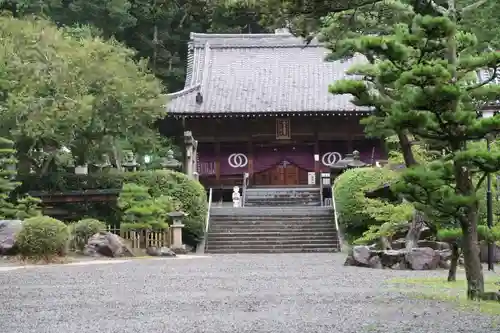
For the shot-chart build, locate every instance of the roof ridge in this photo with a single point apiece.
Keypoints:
(206, 69)
(225, 41)
(194, 35)
(185, 91)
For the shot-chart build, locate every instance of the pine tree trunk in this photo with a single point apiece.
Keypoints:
(405, 144)
(473, 267)
(455, 255)
(470, 245)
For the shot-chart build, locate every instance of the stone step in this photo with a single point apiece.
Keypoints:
(306, 248)
(277, 189)
(264, 245)
(271, 211)
(274, 242)
(250, 220)
(274, 224)
(283, 196)
(271, 235)
(272, 230)
(244, 217)
(287, 203)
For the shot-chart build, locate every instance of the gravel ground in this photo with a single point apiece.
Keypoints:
(226, 293)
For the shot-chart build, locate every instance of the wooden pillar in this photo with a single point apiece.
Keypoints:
(350, 145)
(250, 157)
(316, 146)
(217, 162)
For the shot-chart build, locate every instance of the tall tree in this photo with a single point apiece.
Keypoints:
(430, 69)
(67, 89)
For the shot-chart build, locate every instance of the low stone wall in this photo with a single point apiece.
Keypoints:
(429, 255)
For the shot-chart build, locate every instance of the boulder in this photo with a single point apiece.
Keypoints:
(179, 250)
(160, 252)
(349, 261)
(445, 264)
(390, 258)
(8, 232)
(445, 255)
(423, 258)
(107, 244)
(400, 266)
(375, 262)
(398, 244)
(361, 254)
(434, 245)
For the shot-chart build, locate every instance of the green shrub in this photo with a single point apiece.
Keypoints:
(188, 193)
(84, 229)
(43, 237)
(141, 211)
(483, 232)
(354, 210)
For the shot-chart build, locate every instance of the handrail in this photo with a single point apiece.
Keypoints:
(202, 246)
(246, 181)
(336, 217)
(207, 220)
(321, 189)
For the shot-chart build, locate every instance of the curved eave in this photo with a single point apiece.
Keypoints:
(343, 113)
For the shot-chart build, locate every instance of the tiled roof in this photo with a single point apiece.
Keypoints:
(254, 73)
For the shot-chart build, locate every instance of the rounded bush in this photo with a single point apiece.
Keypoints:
(187, 193)
(350, 200)
(42, 237)
(84, 229)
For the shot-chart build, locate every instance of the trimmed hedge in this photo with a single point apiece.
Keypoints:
(189, 193)
(84, 229)
(43, 237)
(350, 200)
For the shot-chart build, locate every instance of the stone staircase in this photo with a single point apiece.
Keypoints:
(274, 221)
(284, 197)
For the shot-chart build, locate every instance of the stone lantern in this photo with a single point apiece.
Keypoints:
(356, 161)
(130, 163)
(104, 163)
(350, 161)
(170, 162)
(342, 165)
(177, 226)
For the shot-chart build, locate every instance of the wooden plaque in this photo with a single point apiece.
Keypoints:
(283, 131)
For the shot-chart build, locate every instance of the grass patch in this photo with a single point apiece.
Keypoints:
(452, 292)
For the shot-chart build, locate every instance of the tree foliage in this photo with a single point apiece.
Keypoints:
(424, 78)
(356, 211)
(63, 89)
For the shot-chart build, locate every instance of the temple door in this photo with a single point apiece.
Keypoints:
(277, 176)
(287, 174)
(291, 175)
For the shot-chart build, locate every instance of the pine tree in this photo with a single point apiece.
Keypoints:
(425, 78)
(7, 175)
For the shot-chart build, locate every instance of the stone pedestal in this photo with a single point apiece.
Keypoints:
(81, 169)
(177, 246)
(191, 146)
(177, 236)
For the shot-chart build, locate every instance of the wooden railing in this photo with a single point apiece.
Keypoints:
(336, 218)
(137, 239)
(246, 182)
(202, 246)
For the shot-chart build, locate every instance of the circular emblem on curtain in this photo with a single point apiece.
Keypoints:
(237, 160)
(330, 158)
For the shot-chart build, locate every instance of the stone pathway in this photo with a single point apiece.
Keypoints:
(282, 293)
